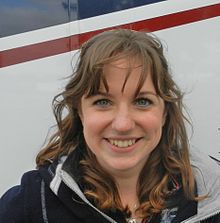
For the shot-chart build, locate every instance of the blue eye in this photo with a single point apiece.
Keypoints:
(102, 102)
(142, 102)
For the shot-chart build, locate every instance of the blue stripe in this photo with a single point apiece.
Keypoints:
(99, 7)
(23, 15)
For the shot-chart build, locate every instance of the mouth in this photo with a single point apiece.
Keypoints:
(122, 143)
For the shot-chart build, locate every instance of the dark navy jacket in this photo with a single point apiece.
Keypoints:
(51, 195)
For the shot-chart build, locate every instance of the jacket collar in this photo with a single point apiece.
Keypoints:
(64, 184)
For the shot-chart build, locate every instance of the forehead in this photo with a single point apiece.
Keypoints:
(126, 74)
(126, 63)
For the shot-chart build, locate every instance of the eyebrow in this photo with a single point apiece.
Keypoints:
(99, 93)
(142, 93)
(106, 94)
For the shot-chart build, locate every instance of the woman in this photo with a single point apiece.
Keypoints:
(120, 153)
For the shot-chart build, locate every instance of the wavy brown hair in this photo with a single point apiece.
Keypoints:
(169, 158)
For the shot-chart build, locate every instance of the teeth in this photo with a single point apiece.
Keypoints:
(122, 143)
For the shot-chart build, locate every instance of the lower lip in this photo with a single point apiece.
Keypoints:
(122, 149)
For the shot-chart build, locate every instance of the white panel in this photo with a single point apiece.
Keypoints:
(194, 51)
(27, 91)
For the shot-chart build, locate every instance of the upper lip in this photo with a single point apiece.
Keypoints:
(122, 138)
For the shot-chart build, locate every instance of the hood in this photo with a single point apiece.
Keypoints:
(207, 175)
(62, 182)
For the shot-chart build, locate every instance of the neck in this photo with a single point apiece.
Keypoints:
(128, 195)
(127, 188)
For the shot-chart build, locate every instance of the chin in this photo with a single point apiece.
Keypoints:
(122, 166)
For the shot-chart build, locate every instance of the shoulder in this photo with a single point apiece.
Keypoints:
(16, 202)
(207, 176)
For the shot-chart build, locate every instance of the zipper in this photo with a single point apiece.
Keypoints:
(73, 186)
(193, 218)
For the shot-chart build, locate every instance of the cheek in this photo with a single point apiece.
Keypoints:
(93, 126)
(153, 120)
(92, 131)
(89, 131)
(88, 124)
(152, 123)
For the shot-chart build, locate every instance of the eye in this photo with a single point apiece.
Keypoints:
(143, 102)
(102, 102)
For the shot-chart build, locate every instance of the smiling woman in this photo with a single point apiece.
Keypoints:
(120, 127)
(120, 153)
(130, 126)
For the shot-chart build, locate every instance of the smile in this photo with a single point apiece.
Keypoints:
(122, 143)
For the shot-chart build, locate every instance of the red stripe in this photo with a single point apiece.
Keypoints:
(63, 45)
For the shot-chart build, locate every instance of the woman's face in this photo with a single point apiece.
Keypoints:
(122, 129)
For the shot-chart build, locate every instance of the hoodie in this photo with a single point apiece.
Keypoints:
(53, 194)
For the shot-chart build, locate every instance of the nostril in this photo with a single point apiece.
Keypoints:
(123, 123)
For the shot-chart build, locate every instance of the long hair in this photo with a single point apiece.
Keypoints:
(169, 158)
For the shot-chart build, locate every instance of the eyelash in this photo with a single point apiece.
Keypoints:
(147, 101)
(105, 102)
(99, 101)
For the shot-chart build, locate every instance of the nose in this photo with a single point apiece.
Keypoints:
(123, 120)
